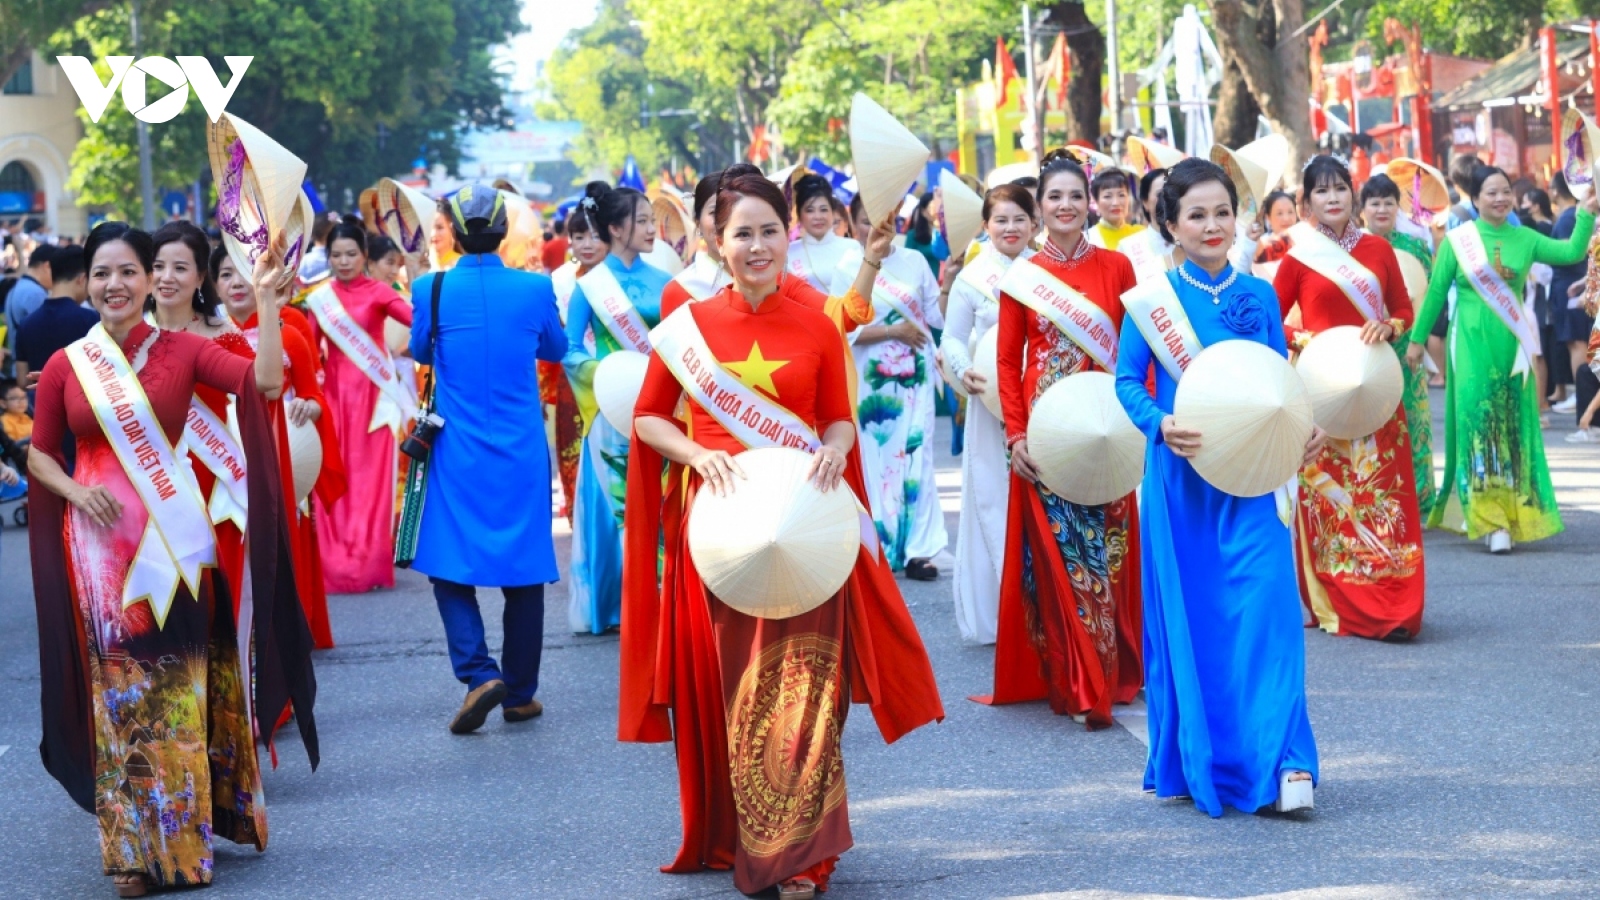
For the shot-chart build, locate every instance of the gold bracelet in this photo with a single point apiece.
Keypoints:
(876, 264)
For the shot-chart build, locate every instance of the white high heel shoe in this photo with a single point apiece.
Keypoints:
(1500, 542)
(1293, 795)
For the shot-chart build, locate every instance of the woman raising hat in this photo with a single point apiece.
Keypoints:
(718, 681)
(1358, 538)
(151, 696)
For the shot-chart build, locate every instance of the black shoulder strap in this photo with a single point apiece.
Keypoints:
(433, 336)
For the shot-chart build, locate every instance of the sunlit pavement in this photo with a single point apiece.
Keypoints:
(1463, 764)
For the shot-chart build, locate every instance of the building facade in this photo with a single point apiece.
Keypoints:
(38, 130)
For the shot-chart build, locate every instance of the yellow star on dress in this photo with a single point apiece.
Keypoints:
(756, 370)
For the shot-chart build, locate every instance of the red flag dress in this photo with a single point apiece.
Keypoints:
(717, 681)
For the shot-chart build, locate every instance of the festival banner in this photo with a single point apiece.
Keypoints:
(177, 539)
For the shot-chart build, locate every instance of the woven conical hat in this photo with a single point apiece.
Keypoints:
(1270, 152)
(1582, 158)
(1093, 161)
(297, 233)
(524, 233)
(1416, 277)
(887, 157)
(1011, 172)
(674, 221)
(305, 458)
(663, 257)
(258, 186)
(986, 362)
(1252, 413)
(1146, 155)
(367, 204)
(960, 211)
(1354, 388)
(1250, 178)
(404, 215)
(783, 176)
(1420, 184)
(776, 546)
(1087, 449)
(617, 382)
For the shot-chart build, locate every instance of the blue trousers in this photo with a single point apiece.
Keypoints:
(469, 651)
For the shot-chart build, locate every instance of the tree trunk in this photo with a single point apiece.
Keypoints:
(1278, 77)
(15, 55)
(1088, 48)
(1235, 123)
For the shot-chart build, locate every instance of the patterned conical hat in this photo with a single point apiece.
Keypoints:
(405, 215)
(258, 187)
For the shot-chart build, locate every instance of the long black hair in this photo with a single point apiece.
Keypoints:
(205, 299)
(1183, 178)
(921, 222)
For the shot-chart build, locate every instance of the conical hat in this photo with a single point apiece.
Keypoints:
(524, 233)
(776, 546)
(960, 212)
(1270, 152)
(1354, 388)
(1582, 143)
(1249, 180)
(297, 233)
(1011, 172)
(367, 203)
(1146, 155)
(783, 176)
(1416, 277)
(674, 221)
(404, 215)
(986, 362)
(258, 185)
(1253, 415)
(663, 257)
(396, 337)
(1093, 161)
(617, 382)
(950, 378)
(1087, 449)
(1420, 185)
(305, 458)
(887, 157)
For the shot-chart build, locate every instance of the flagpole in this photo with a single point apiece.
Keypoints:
(1113, 88)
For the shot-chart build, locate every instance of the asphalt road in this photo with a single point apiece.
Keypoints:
(1460, 765)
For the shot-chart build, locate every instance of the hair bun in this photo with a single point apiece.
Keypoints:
(596, 189)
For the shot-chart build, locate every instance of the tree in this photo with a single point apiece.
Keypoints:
(356, 88)
(25, 24)
(1254, 39)
(1087, 44)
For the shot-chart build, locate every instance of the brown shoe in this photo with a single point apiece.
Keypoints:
(532, 710)
(480, 700)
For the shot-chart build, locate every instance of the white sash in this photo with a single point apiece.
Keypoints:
(695, 280)
(984, 273)
(1154, 308)
(395, 406)
(1094, 237)
(1479, 268)
(901, 298)
(563, 280)
(1317, 252)
(177, 538)
(214, 444)
(615, 310)
(1078, 317)
(1144, 249)
(753, 419)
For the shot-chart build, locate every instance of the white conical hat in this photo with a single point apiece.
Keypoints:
(783, 176)
(405, 215)
(1416, 277)
(258, 186)
(663, 257)
(1581, 161)
(960, 212)
(1270, 152)
(1093, 161)
(1421, 185)
(305, 458)
(776, 546)
(887, 157)
(1248, 175)
(297, 233)
(617, 382)
(1011, 172)
(1087, 449)
(396, 337)
(1146, 155)
(986, 362)
(1253, 415)
(1354, 388)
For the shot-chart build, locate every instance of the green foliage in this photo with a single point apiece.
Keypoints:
(740, 64)
(1479, 28)
(326, 75)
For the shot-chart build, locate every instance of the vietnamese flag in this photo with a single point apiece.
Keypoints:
(1004, 71)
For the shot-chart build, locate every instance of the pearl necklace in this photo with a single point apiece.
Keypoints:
(1214, 290)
